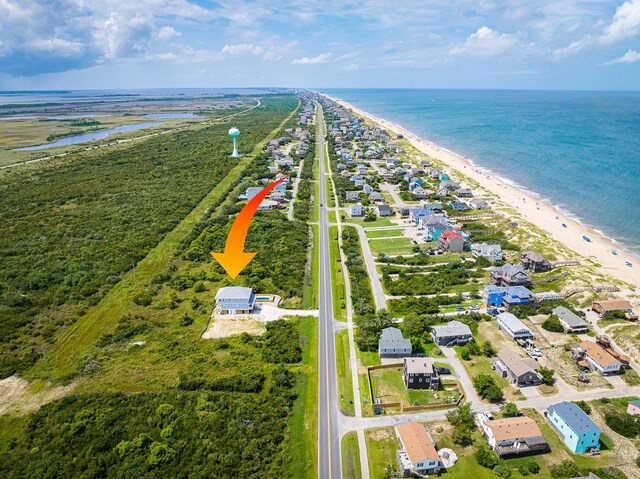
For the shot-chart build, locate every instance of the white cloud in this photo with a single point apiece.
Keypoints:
(485, 42)
(59, 46)
(573, 48)
(321, 58)
(625, 22)
(167, 33)
(239, 49)
(631, 56)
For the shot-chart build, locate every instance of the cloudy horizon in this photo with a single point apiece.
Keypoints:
(576, 44)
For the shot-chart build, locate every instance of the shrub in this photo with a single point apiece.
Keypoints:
(547, 375)
(533, 467)
(584, 406)
(509, 410)
(487, 388)
(502, 471)
(623, 424)
(486, 458)
(553, 324)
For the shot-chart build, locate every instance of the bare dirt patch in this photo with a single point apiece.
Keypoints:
(18, 396)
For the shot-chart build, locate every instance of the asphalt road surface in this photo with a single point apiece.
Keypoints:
(329, 463)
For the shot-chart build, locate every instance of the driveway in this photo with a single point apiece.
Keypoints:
(461, 375)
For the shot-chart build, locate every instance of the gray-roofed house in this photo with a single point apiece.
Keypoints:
(355, 211)
(513, 327)
(392, 344)
(452, 333)
(492, 252)
(419, 373)
(253, 191)
(352, 196)
(579, 432)
(235, 300)
(518, 370)
(510, 275)
(534, 261)
(384, 210)
(571, 322)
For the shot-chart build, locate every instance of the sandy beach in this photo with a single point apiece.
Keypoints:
(530, 207)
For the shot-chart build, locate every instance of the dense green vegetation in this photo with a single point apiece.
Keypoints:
(361, 294)
(409, 304)
(437, 282)
(71, 228)
(487, 388)
(302, 208)
(206, 430)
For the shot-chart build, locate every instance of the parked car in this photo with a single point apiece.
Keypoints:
(443, 370)
(461, 308)
(475, 307)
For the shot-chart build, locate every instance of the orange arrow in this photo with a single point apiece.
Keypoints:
(234, 259)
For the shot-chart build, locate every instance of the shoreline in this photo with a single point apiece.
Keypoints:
(528, 204)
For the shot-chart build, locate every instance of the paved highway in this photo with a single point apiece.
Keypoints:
(329, 462)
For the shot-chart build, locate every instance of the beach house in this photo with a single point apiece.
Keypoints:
(510, 275)
(451, 241)
(478, 204)
(596, 358)
(384, 210)
(513, 327)
(492, 252)
(355, 211)
(513, 436)
(506, 296)
(571, 322)
(451, 334)
(633, 407)
(417, 455)
(235, 300)
(576, 429)
(517, 370)
(603, 307)
(534, 261)
(419, 373)
(393, 344)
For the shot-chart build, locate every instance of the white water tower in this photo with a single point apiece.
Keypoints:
(234, 133)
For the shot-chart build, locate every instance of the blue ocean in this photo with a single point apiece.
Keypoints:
(580, 150)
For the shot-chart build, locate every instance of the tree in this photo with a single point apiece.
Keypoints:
(486, 458)
(462, 436)
(509, 410)
(547, 375)
(465, 354)
(584, 406)
(462, 415)
(487, 388)
(566, 468)
(502, 471)
(494, 393)
(553, 324)
(533, 467)
(488, 349)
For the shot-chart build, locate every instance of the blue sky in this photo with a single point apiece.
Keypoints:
(559, 44)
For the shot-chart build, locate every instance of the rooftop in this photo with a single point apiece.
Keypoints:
(598, 353)
(516, 363)
(419, 365)
(575, 417)
(417, 442)
(569, 317)
(452, 328)
(235, 293)
(511, 322)
(513, 428)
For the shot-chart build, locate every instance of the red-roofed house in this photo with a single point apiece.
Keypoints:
(418, 455)
(451, 241)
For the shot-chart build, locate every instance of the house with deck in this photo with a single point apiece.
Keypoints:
(505, 296)
(417, 455)
(576, 429)
(510, 275)
(517, 370)
(571, 322)
(513, 327)
(595, 357)
(420, 373)
(393, 344)
(451, 334)
(534, 261)
(492, 252)
(607, 306)
(514, 436)
(451, 241)
(235, 300)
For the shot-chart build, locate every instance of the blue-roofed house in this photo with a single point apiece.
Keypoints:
(506, 295)
(459, 205)
(235, 300)
(417, 213)
(577, 430)
(415, 183)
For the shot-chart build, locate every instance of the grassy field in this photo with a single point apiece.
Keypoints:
(337, 278)
(303, 422)
(381, 451)
(65, 354)
(371, 224)
(391, 246)
(345, 383)
(384, 233)
(351, 456)
(388, 385)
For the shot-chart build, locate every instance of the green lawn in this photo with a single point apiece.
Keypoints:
(337, 278)
(384, 233)
(351, 456)
(391, 246)
(371, 224)
(381, 451)
(303, 422)
(345, 383)
(65, 355)
(388, 385)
